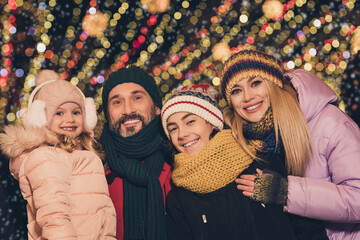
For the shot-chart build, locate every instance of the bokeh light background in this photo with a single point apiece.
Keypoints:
(179, 42)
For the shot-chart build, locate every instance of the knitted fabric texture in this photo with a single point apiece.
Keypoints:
(51, 92)
(270, 187)
(218, 164)
(246, 64)
(131, 75)
(200, 99)
(57, 93)
(139, 160)
(261, 135)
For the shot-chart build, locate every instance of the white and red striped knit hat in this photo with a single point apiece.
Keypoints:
(199, 99)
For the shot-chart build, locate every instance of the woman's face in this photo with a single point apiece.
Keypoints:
(189, 133)
(250, 98)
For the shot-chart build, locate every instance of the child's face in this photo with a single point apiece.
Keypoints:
(189, 133)
(250, 98)
(68, 120)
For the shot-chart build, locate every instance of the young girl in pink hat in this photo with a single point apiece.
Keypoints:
(59, 172)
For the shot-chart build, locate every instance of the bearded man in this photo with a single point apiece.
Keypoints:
(132, 137)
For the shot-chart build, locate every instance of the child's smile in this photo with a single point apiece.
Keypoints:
(189, 133)
(68, 119)
(191, 143)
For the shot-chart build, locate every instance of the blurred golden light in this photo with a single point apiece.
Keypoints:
(355, 43)
(156, 6)
(243, 18)
(216, 81)
(94, 24)
(221, 51)
(273, 9)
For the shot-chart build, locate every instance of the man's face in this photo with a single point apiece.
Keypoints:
(130, 109)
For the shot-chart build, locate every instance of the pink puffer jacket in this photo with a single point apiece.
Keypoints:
(67, 193)
(330, 190)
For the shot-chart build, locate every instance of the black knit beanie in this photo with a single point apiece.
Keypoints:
(135, 75)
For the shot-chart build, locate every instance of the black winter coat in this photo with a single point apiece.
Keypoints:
(228, 214)
(223, 214)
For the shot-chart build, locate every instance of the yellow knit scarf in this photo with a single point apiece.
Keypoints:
(218, 164)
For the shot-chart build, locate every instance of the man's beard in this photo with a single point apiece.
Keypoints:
(116, 127)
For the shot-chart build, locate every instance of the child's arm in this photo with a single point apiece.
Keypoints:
(49, 176)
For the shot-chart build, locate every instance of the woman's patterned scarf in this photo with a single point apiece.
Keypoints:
(261, 136)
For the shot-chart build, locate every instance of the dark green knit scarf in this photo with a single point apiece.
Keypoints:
(139, 161)
(262, 135)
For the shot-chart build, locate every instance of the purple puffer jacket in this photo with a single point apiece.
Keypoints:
(330, 190)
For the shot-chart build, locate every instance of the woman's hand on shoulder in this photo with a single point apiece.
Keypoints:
(246, 183)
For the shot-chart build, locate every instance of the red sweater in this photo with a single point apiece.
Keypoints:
(116, 195)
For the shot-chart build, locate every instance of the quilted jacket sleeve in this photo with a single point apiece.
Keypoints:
(49, 176)
(337, 199)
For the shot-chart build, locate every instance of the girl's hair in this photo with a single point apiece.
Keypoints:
(289, 122)
(85, 140)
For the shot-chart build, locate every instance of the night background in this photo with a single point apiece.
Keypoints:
(177, 42)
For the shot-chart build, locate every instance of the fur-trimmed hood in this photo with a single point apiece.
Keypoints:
(66, 193)
(17, 141)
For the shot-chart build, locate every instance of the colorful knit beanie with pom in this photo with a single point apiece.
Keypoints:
(50, 93)
(246, 64)
(201, 100)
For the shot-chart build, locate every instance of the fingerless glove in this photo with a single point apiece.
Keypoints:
(270, 188)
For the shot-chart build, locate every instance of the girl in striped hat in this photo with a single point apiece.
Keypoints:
(204, 202)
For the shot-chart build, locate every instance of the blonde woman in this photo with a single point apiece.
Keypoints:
(299, 111)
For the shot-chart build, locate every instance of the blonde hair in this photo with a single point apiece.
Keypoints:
(289, 122)
(85, 140)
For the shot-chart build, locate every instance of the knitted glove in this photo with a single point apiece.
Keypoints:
(270, 187)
